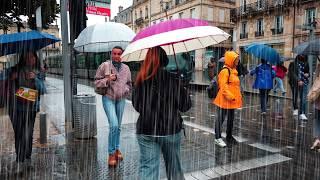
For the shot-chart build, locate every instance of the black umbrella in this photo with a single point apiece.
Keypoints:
(308, 48)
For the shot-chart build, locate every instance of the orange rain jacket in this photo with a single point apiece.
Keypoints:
(229, 95)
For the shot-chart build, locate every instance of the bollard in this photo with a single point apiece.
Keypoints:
(43, 128)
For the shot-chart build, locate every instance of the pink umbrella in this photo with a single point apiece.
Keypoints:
(174, 36)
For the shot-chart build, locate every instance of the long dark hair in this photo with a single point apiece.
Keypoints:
(23, 58)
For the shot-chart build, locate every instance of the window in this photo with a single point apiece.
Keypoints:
(279, 2)
(221, 15)
(243, 6)
(140, 13)
(192, 13)
(210, 14)
(259, 31)
(278, 22)
(244, 28)
(260, 4)
(147, 12)
(181, 15)
(161, 20)
(310, 16)
(170, 17)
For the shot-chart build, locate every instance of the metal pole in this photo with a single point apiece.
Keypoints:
(43, 128)
(66, 64)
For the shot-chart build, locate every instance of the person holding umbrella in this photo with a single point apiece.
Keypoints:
(299, 74)
(264, 82)
(159, 97)
(22, 112)
(115, 77)
(228, 98)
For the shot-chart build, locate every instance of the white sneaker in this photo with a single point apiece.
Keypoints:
(220, 142)
(303, 117)
(295, 112)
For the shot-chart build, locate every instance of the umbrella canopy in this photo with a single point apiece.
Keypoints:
(25, 41)
(174, 36)
(308, 48)
(103, 37)
(265, 52)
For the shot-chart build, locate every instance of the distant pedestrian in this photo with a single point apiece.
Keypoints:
(314, 96)
(159, 98)
(23, 112)
(228, 98)
(264, 82)
(299, 74)
(281, 71)
(115, 77)
(212, 68)
(242, 72)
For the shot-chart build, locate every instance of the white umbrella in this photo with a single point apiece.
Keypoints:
(174, 36)
(103, 37)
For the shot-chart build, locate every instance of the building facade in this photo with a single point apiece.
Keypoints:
(124, 16)
(216, 12)
(283, 24)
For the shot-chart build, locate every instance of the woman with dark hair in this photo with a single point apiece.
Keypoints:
(159, 98)
(299, 74)
(22, 112)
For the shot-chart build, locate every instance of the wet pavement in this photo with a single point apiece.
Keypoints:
(275, 146)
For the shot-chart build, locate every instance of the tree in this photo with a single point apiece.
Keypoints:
(12, 9)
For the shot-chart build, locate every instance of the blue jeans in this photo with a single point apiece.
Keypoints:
(150, 149)
(114, 111)
(316, 126)
(279, 85)
(303, 99)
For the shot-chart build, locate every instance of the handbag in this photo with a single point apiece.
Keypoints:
(101, 90)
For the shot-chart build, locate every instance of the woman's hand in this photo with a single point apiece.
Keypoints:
(31, 75)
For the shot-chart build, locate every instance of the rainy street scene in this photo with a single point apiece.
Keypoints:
(160, 90)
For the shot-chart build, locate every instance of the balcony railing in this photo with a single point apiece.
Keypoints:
(139, 21)
(243, 35)
(259, 33)
(259, 7)
(277, 31)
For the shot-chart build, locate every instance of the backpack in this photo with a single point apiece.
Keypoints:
(213, 88)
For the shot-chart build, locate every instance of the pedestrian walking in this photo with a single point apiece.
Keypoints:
(228, 98)
(212, 68)
(299, 74)
(242, 72)
(159, 98)
(314, 96)
(22, 112)
(115, 78)
(264, 82)
(281, 71)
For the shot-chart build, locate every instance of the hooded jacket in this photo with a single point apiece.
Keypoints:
(264, 76)
(229, 95)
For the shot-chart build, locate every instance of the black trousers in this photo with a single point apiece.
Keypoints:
(23, 124)
(295, 95)
(221, 116)
(264, 98)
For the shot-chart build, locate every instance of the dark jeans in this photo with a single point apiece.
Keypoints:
(23, 124)
(264, 98)
(221, 116)
(301, 93)
(151, 148)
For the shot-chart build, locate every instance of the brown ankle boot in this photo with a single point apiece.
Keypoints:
(112, 161)
(118, 155)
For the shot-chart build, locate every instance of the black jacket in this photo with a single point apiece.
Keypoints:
(293, 74)
(159, 101)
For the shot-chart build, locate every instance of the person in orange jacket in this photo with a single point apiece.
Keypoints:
(228, 98)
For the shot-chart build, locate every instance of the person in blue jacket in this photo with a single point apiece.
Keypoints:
(264, 82)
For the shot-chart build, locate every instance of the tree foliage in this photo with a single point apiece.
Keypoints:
(10, 10)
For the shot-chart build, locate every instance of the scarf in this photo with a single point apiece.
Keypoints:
(117, 65)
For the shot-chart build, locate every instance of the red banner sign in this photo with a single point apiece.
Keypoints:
(98, 11)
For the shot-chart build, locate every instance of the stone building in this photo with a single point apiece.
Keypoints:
(281, 24)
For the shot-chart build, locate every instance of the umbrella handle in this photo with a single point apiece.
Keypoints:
(175, 59)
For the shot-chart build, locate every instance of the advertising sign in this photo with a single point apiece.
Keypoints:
(98, 7)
